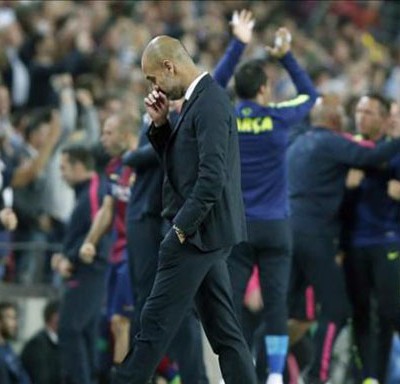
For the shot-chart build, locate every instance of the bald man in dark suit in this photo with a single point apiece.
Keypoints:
(202, 199)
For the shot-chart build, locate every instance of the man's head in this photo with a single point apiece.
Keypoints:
(117, 133)
(168, 66)
(251, 82)
(8, 321)
(328, 112)
(11, 34)
(37, 130)
(371, 116)
(51, 315)
(77, 163)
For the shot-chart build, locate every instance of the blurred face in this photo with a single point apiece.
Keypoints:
(68, 171)
(8, 324)
(113, 139)
(53, 322)
(370, 121)
(38, 138)
(48, 45)
(4, 101)
(164, 79)
(14, 36)
(395, 117)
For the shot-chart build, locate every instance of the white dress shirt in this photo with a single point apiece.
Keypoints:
(193, 84)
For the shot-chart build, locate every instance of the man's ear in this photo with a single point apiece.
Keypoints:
(262, 90)
(338, 121)
(169, 66)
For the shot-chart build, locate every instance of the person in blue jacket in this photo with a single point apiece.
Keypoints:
(263, 139)
(318, 163)
(85, 283)
(372, 257)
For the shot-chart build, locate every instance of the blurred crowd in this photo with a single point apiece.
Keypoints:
(68, 66)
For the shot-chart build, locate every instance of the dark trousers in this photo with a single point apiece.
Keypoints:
(144, 238)
(185, 275)
(314, 265)
(269, 247)
(78, 327)
(374, 271)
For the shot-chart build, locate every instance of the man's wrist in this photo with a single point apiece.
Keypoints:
(285, 56)
(161, 123)
(181, 235)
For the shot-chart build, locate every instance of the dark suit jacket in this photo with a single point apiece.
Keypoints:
(202, 192)
(40, 358)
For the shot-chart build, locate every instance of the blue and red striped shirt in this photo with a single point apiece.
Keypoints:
(120, 179)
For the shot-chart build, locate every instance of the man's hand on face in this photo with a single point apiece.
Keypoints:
(157, 106)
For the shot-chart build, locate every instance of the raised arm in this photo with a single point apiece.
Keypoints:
(63, 86)
(348, 152)
(25, 174)
(90, 118)
(296, 109)
(242, 28)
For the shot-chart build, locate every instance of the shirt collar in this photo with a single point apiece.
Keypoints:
(52, 335)
(192, 86)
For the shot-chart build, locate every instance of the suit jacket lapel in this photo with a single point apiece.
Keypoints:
(187, 104)
(186, 107)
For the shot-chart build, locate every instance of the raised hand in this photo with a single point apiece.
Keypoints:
(84, 97)
(282, 44)
(157, 106)
(55, 126)
(242, 25)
